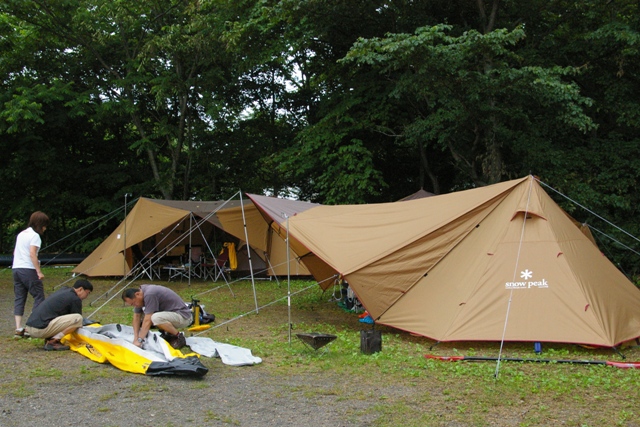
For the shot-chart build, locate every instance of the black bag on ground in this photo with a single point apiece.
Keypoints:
(185, 367)
(370, 341)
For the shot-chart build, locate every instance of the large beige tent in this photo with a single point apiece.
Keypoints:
(163, 225)
(498, 262)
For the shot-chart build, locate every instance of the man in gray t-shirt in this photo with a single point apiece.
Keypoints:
(158, 306)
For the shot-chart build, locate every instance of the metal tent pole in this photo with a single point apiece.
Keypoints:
(246, 239)
(124, 238)
(288, 281)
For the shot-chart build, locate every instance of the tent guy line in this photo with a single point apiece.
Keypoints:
(590, 211)
(197, 295)
(240, 316)
(103, 218)
(614, 240)
(132, 279)
(124, 278)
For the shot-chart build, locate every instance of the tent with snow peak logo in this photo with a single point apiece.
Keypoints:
(497, 262)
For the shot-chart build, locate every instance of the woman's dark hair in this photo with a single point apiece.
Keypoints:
(38, 221)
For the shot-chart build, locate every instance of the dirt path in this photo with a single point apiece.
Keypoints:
(225, 396)
(67, 389)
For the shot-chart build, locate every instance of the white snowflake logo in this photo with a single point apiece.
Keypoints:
(526, 275)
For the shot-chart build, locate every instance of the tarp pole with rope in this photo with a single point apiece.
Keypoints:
(172, 244)
(135, 277)
(190, 255)
(105, 294)
(210, 251)
(246, 236)
(198, 226)
(124, 238)
(288, 281)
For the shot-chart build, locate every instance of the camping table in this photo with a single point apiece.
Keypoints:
(175, 271)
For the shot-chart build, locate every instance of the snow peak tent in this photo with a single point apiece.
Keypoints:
(497, 262)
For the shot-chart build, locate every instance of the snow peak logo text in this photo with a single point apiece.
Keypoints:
(526, 283)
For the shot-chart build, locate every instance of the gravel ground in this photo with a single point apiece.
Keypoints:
(226, 396)
(67, 389)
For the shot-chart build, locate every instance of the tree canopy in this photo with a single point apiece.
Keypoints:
(332, 101)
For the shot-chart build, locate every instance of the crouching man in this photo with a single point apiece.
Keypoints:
(58, 315)
(155, 305)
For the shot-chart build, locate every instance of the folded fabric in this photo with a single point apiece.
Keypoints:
(228, 354)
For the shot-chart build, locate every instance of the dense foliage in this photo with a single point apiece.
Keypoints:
(334, 101)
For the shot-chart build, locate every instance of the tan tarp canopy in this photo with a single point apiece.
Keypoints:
(262, 238)
(145, 220)
(447, 266)
(276, 213)
(169, 223)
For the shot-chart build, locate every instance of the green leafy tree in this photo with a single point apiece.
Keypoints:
(148, 61)
(55, 158)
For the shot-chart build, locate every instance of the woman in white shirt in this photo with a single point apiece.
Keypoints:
(27, 275)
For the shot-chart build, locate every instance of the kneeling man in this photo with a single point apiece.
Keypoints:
(58, 315)
(162, 308)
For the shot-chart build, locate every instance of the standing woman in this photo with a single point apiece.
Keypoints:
(27, 276)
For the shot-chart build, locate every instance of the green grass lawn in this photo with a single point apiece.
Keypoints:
(426, 392)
